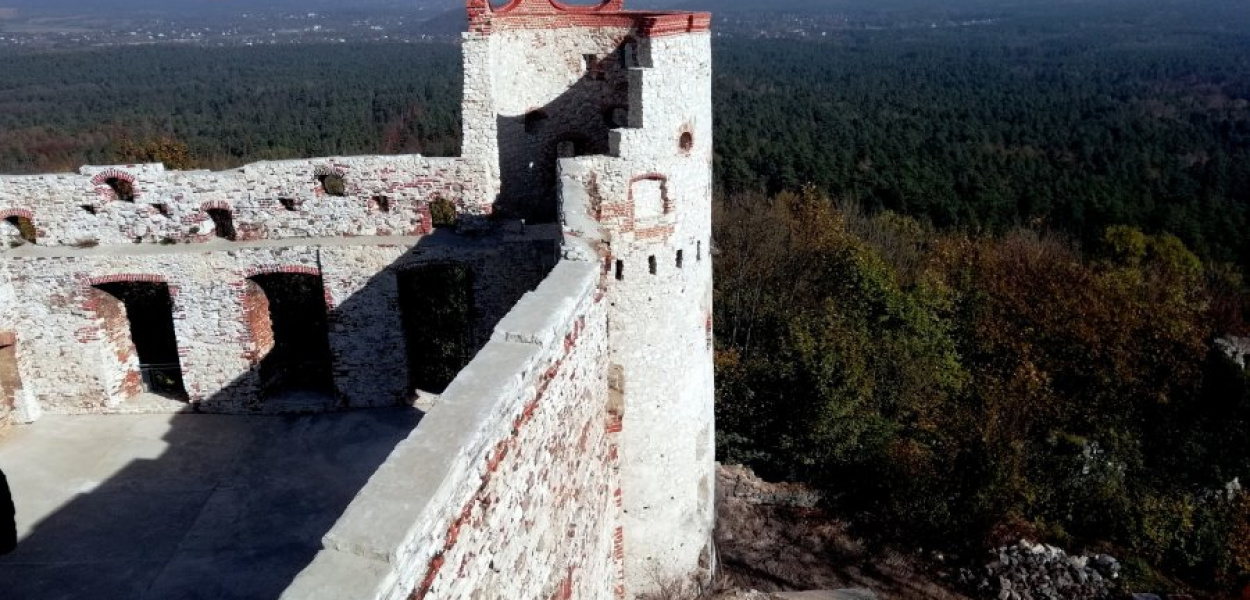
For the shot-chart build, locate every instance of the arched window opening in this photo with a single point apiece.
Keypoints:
(223, 223)
(616, 117)
(534, 121)
(333, 184)
(24, 227)
(686, 142)
(290, 329)
(436, 307)
(629, 54)
(442, 213)
(382, 203)
(138, 319)
(124, 189)
(649, 195)
(593, 67)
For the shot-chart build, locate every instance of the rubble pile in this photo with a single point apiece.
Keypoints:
(1027, 571)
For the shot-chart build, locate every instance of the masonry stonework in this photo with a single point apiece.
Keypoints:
(573, 456)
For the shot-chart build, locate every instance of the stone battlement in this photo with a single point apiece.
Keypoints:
(368, 195)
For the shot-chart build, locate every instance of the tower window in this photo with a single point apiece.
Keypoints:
(620, 270)
(651, 266)
(698, 253)
(679, 259)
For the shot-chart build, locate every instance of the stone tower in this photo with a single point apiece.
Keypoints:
(603, 116)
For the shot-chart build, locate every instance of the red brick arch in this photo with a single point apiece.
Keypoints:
(20, 213)
(126, 278)
(660, 177)
(216, 205)
(275, 269)
(293, 270)
(108, 174)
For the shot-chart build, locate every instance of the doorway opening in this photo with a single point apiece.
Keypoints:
(139, 317)
(289, 321)
(436, 307)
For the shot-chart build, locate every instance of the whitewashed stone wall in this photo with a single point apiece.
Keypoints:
(171, 206)
(661, 315)
(507, 488)
(528, 91)
(68, 366)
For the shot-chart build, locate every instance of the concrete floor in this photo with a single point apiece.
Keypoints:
(182, 507)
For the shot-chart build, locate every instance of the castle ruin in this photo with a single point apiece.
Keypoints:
(564, 258)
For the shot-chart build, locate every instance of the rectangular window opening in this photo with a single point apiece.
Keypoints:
(679, 259)
(620, 270)
(651, 266)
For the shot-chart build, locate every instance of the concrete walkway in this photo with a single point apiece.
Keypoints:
(186, 507)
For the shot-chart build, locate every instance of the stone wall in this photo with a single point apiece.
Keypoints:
(647, 207)
(552, 92)
(508, 487)
(383, 196)
(77, 357)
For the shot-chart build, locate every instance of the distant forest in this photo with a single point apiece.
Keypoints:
(976, 128)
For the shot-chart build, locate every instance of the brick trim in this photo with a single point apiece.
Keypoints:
(216, 205)
(126, 278)
(295, 270)
(553, 14)
(17, 212)
(108, 174)
(276, 269)
(660, 177)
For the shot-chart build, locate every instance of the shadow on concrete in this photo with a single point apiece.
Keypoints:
(200, 506)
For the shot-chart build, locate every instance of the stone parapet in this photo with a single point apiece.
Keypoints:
(507, 488)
